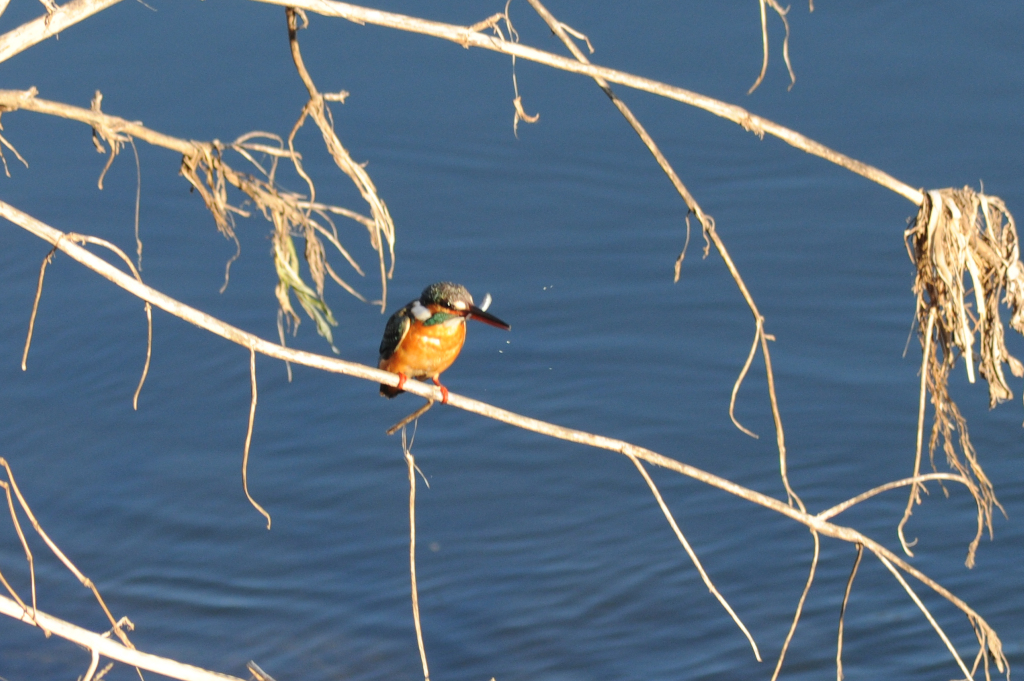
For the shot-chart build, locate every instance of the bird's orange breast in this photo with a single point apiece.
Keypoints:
(426, 351)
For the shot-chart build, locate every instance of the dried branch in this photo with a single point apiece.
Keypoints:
(989, 642)
(383, 230)
(79, 238)
(842, 613)
(465, 36)
(407, 449)
(108, 648)
(48, 25)
(693, 555)
(764, 42)
(917, 480)
(799, 605)
(708, 225)
(31, 615)
(406, 420)
(931, 620)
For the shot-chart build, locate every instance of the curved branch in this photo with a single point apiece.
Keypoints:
(916, 480)
(466, 37)
(693, 555)
(986, 635)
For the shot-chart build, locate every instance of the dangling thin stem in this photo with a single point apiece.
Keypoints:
(412, 556)
(248, 436)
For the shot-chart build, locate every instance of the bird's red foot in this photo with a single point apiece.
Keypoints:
(444, 391)
(402, 378)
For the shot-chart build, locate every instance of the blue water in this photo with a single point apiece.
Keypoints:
(537, 559)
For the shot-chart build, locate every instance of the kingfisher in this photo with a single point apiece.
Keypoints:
(423, 338)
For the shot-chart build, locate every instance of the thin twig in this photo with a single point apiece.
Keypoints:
(842, 612)
(149, 356)
(682, 254)
(764, 44)
(693, 555)
(5, 143)
(94, 662)
(138, 201)
(86, 239)
(915, 491)
(758, 330)
(384, 228)
(927, 614)
(85, 581)
(412, 555)
(248, 436)
(35, 307)
(780, 435)
(764, 40)
(839, 508)
(24, 545)
(410, 418)
(785, 41)
(708, 224)
(799, 606)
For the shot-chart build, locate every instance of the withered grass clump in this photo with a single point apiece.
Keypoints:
(290, 214)
(963, 236)
(293, 215)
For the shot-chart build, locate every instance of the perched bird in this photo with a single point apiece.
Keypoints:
(423, 338)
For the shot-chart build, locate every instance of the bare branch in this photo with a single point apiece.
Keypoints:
(987, 637)
(407, 448)
(799, 606)
(917, 480)
(463, 35)
(109, 648)
(928, 616)
(48, 25)
(693, 554)
(842, 613)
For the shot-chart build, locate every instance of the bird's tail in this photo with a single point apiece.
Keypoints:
(389, 391)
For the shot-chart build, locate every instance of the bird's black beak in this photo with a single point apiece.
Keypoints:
(485, 317)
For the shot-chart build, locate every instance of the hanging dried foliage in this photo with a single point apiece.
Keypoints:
(966, 250)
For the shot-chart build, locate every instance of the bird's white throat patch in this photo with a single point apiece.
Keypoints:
(421, 313)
